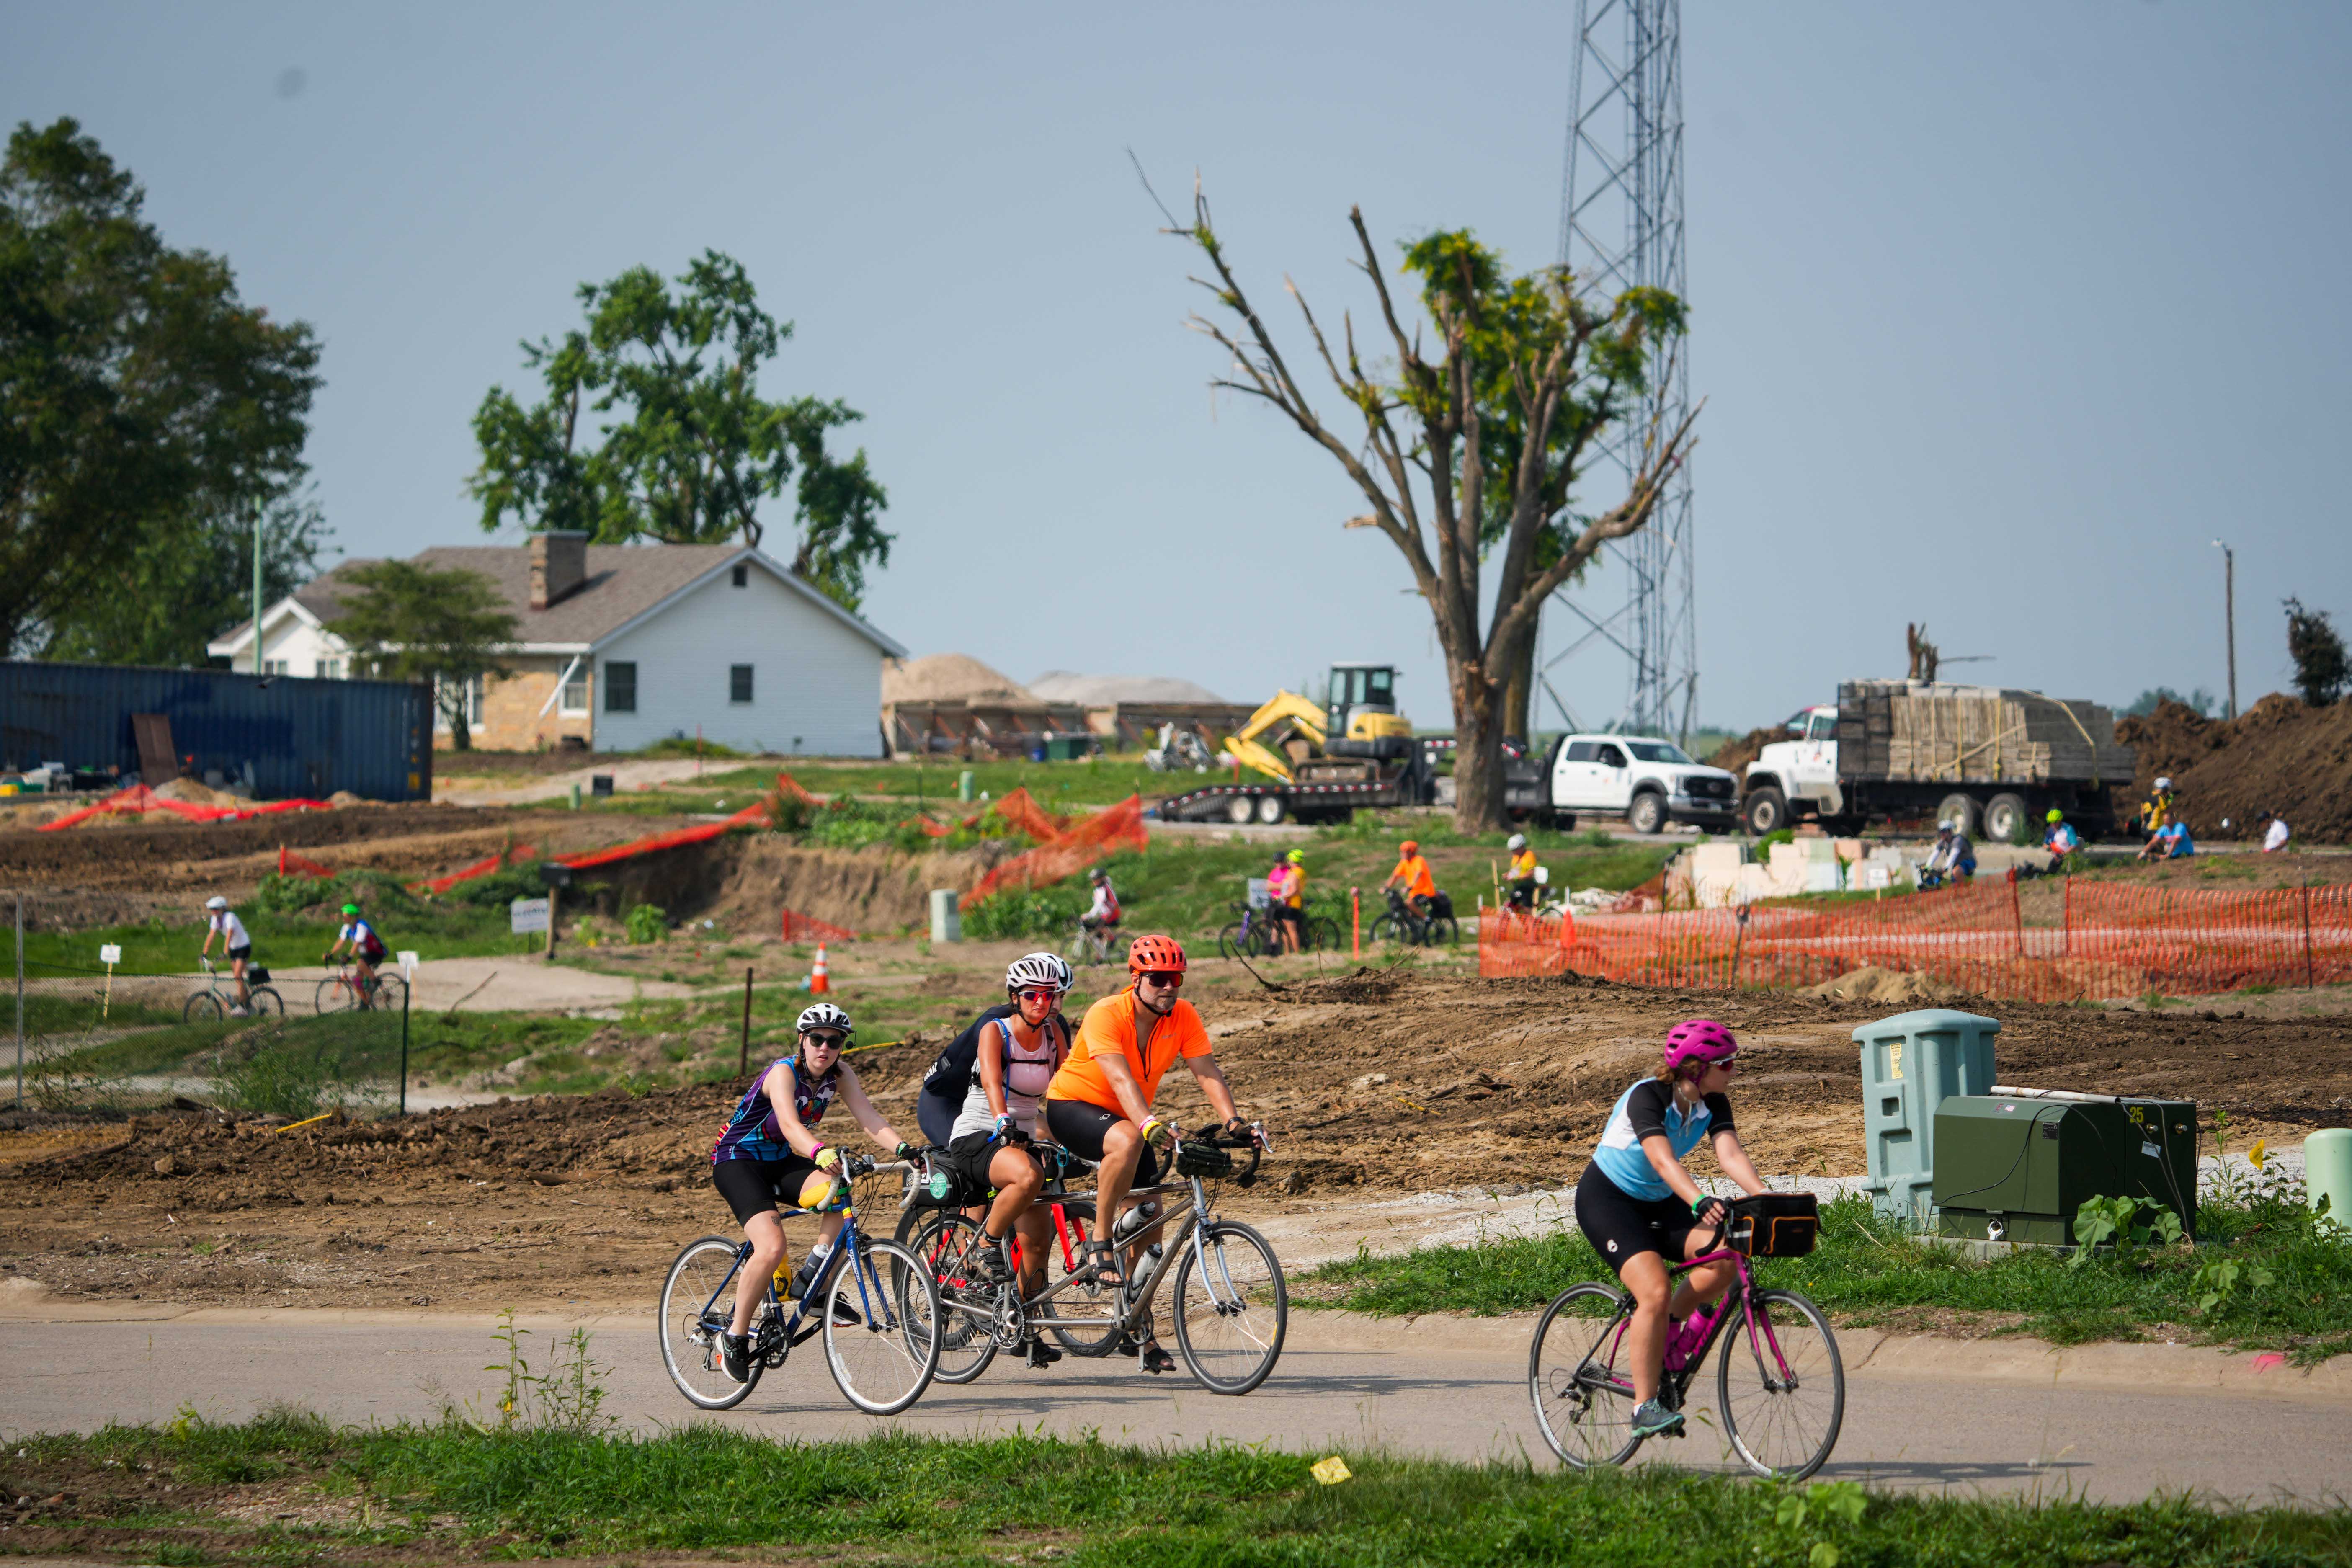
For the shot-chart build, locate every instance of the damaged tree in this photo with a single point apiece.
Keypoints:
(1496, 427)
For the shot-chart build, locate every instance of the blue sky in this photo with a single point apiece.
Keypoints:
(2003, 311)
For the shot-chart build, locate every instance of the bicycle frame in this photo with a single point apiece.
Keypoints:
(1679, 1379)
(788, 1329)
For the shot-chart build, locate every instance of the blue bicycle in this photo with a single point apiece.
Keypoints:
(880, 1314)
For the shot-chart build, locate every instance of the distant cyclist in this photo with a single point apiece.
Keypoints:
(1419, 885)
(367, 951)
(221, 921)
(770, 1149)
(1101, 918)
(1285, 897)
(1521, 878)
(1637, 1205)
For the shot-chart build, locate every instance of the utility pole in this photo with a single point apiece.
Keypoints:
(256, 587)
(2230, 619)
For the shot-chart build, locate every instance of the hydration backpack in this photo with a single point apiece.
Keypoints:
(949, 1077)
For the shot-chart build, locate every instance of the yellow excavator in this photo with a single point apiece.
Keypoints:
(1343, 742)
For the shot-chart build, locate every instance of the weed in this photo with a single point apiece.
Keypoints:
(2118, 1223)
(647, 923)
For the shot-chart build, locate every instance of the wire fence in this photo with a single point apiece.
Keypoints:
(2114, 941)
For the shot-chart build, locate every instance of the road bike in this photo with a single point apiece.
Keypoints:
(341, 991)
(1231, 1306)
(1780, 1382)
(880, 1316)
(1107, 946)
(1406, 924)
(1257, 935)
(216, 1000)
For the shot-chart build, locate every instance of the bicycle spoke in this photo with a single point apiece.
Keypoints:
(1781, 1385)
(881, 1360)
(1232, 1314)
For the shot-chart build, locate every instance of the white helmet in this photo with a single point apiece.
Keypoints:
(215, 902)
(1946, 828)
(825, 1015)
(1045, 969)
(2164, 783)
(1516, 841)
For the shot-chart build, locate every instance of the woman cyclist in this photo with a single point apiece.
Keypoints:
(770, 1147)
(1016, 1055)
(1637, 1205)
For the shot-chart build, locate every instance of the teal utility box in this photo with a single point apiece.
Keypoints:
(1910, 1063)
(2015, 1166)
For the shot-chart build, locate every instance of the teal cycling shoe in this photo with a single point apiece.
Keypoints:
(1651, 1420)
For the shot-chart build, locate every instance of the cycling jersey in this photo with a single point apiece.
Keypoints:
(1419, 883)
(1523, 866)
(1110, 1029)
(753, 1132)
(1028, 1070)
(1105, 909)
(362, 937)
(232, 929)
(1648, 1109)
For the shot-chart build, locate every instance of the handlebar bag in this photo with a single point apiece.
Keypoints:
(1776, 1225)
(1206, 1160)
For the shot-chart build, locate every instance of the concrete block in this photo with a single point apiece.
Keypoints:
(947, 919)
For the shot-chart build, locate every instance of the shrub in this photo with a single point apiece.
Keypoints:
(1023, 917)
(647, 923)
(2321, 670)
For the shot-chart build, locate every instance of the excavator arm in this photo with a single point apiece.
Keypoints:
(1285, 711)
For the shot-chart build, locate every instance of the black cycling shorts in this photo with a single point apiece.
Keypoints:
(753, 1186)
(1622, 1226)
(968, 1158)
(1079, 1126)
(236, 953)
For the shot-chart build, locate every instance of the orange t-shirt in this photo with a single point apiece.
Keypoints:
(1419, 883)
(1109, 1030)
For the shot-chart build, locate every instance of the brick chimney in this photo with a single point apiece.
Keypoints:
(559, 564)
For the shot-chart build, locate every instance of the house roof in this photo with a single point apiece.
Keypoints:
(624, 583)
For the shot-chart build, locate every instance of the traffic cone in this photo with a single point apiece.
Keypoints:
(818, 984)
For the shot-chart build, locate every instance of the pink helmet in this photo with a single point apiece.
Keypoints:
(1699, 1040)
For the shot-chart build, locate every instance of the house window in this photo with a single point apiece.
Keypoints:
(473, 705)
(742, 575)
(276, 667)
(739, 683)
(575, 689)
(331, 669)
(621, 687)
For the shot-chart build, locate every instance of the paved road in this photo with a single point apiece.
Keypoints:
(1918, 1415)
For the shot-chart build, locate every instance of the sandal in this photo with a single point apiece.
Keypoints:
(1150, 1358)
(1103, 1262)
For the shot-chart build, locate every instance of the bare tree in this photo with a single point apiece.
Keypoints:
(1476, 451)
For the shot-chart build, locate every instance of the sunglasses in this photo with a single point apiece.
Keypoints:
(1166, 979)
(1037, 993)
(826, 1038)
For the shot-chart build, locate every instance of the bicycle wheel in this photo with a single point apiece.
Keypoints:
(1232, 940)
(203, 1007)
(1783, 1391)
(1230, 1317)
(881, 1349)
(337, 995)
(1387, 930)
(390, 993)
(1443, 930)
(267, 1002)
(1322, 935)
(1578, 1377)
(967, 1304)
(698, 1299)
(1081, 1301)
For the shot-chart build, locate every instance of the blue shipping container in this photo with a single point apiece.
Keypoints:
(294, 737)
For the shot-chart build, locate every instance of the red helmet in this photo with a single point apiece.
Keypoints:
(1407, 847)
(1699, 1040)
(1155, 953)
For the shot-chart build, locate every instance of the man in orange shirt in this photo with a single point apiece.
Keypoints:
(1099, 1104)
(1414, 872)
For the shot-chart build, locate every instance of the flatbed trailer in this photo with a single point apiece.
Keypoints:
(1410, 782)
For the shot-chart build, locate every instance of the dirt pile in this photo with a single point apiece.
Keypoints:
(2278, 755)
(748, 880)
(1888, 987)
(947, 678)
(1733, 756)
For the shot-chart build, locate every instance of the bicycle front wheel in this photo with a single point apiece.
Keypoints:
(696, 1305)
(967, 1301)
(1234, 940)
(202, 1007)
(881, 1344)
(337, 995)
(390, 993)
(1232, 1315)
(1579, 1377)
(1386, 929)
(1781, 1385)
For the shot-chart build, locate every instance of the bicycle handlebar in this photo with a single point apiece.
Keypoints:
(1252, 1138)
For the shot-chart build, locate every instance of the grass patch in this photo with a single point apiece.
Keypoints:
(409, 1490)
(1868, 1270)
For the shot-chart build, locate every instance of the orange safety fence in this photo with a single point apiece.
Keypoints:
(497, 862)
(138, 800)
(1020, 809)
(2115, 941)
(292, 864)
(798, 927)
(787, 784)
(584, 859)
(1079, 845)
(937, 828)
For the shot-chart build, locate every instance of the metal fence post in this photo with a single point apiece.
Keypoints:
(2308, 979)
(20, 998)
(403, 1051)
(743, 1056)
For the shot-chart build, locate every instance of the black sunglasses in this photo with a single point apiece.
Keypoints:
(825, 1037)
(1166, 979)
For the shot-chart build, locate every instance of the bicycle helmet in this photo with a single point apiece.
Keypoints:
(1296, 856)
(351, 909)
(825, 1015)
(1409, 846)
(1045, 969)
(2163, 783)
(1155, 953)
(2054, 815)
(1699, 1040)
(1097, 875)
(1516, 841)
(215, 902)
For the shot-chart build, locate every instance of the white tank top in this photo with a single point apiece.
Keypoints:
(1027, 1072)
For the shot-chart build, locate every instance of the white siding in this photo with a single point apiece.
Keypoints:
(817, 683)
(296, 642)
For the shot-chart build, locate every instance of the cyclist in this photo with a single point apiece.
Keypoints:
(1414, 872)
(1101, 918)
(1099, 1106)
(2060, 838)
(221, 921)
(367, 950)
(1522, 877)
(1636, 1203)
(1015, 1057)
(1285, 897)
(770, 1148)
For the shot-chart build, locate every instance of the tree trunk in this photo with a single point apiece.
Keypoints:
(1477, 750)
(1519, 663)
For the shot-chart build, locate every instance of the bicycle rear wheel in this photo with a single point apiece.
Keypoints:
(1080, 1301)
(267, 1002)
(1230, 1318)
(1321, 935)
(690, 1334)
(944, 1243)
(1783, 1389)
(337, 995)
(1579, 1379)
(1443, 930)
(882, 1345)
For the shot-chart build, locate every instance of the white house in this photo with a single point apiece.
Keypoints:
(622, 645)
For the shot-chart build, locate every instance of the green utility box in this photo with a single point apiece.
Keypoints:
(2015, 1166)
(1909, 1064)
(1069, 748)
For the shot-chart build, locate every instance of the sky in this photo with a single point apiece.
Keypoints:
(2002, 312)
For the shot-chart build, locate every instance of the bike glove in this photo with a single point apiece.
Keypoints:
(1157, 1133)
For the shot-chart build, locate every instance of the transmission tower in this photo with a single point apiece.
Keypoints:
(1620, 225)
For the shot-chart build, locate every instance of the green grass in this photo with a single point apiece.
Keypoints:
(1103, 781)
(1867, 1271)
(441, 929)
(454, 1490)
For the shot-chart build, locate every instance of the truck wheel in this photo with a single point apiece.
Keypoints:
(1960, 811)
(1647, 813)
(2004, 815)
(1241, 809)
(1766, 811)
(1269, 809)
(1563, 822)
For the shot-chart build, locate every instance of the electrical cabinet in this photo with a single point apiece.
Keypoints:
(2015, 1167)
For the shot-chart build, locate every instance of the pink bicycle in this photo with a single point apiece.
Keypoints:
(1779, 1380)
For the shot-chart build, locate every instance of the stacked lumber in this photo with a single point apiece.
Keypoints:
(1942, 733)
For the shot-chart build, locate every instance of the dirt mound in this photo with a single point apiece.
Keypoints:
(1100, 690)
(2278, 755)
(1871, 984)
(195, 793)
(1733, 756)
(947, 678)
(758, 877)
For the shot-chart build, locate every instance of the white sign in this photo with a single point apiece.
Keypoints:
(111, 954)
(529, 915)
(1869, 874)
(407, 963)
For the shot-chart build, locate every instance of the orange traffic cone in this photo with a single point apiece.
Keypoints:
(818, 984)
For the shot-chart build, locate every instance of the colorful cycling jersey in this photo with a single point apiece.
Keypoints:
(360, 935)
(1106, 905)
(1648, 1110)
(1418, 883)
(753, 1133)
(1523, 865)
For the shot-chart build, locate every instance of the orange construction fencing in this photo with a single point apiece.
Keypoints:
(1020, 809)
(293, 865)
(1079, 845)
(754, 813)
(497, 862)
(798, 927)
(138, 800)
(2115, 941)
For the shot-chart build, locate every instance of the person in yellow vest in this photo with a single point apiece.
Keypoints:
(1522, 877)
(1287, 891)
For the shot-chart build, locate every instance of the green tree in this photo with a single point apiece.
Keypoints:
(175, 590)
(2321, 670)
(693, 450)
(413, 623)
(144, 407)
(1474, 452)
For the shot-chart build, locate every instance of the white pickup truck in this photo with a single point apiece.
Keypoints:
(1646, 781)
